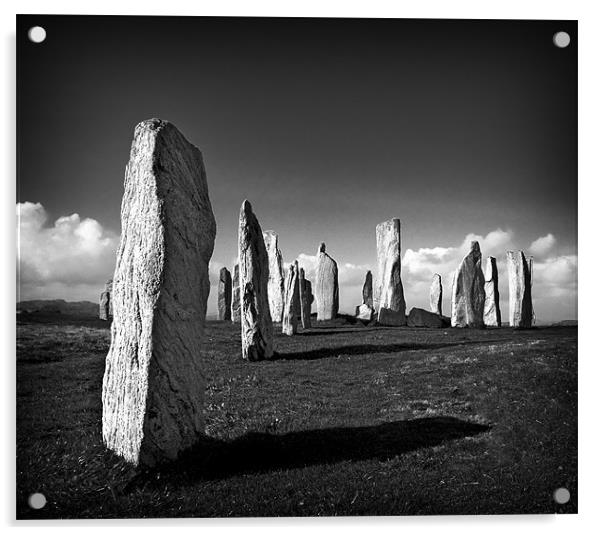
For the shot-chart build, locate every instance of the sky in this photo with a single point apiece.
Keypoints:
(462, 129)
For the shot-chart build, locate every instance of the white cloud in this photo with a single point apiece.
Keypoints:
(543, 245)
(70, 260)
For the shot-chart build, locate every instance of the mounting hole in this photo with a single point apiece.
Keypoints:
(561, 39)
(562, 495)
(36, 34)
(36, 500)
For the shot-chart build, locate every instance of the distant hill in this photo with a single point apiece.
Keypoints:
(58, 306)
(565, 323)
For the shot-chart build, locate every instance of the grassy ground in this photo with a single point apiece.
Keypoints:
(350, 420)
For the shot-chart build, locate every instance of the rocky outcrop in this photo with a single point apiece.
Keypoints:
(235, 315)
(418, 317)
(306, 298)
(436, 294)
(224, 295)
(519, 286)
(389, 301)
(491, 312)
(276, 279)
(327, 286)
(153, 386)
(106, 303)
(255, 319)
(468, 291)
(291, 300)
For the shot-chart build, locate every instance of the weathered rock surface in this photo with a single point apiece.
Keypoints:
(256, 321)
(436, 294)
(491, 313)
(367, 290)
(519, 286)
(276, 279)
(153, 385)
(418, 317)
(224, 295)
(306, 298)
(364, 312)
(235, 294)
(327, 286)
(388, 297)
(291, 300)
(106, 302)
(468, 291)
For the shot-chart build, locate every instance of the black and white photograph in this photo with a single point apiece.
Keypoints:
(295, 267)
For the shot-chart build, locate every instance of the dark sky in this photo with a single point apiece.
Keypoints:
(328, 126)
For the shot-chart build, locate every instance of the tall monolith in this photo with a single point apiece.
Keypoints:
(520, 313)
(276, 278)
(468, 291)
(106, 303)
(255, 319)
(305, 298)
(491, 313)
(224, 295)
(436, 294)
(153, 387)
(291, 300)
(388, 297)
(235, 315)
(327, 286)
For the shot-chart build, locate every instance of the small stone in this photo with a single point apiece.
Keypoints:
(327, 286)
(224, 295)
(491, 313)
(291, 297)
(468, 291)
(520, 272)
(436, 294)
(255, 318)
(235, 294)
(364, 312)
(106, 303)
(418, 317)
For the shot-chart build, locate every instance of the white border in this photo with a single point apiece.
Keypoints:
(590, 154)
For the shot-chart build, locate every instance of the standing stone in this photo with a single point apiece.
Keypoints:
(468, 292)
(491, 313)
(436, 295)
(255, 319)
(419, 317)
(519, 286)
(106, 302)
(236, 295)
(327, 286)
(367, 291)
(389, 301)
(305, 298)
(276, 279)
(291, 300)
(224, 295)
(153, 387)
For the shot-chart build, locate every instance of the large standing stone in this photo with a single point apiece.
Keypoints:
(389, 301)
(153, 385)
(291, 300)
(327, 286)
(255, 319)
(436, 294)
(519, 286)
(224, 295)
(276, 279)
(491, 313)
(306, 299)
(468, 292)
(106, 302)
(236, 294)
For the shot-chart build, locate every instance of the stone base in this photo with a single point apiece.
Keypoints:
(391, 318)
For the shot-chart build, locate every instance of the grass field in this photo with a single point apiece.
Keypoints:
(349, 420)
